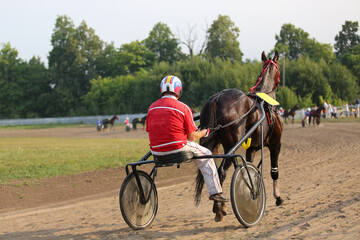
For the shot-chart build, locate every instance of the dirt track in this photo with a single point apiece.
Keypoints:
(319, 179)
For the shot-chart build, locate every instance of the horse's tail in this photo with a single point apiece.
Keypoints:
(207, 120)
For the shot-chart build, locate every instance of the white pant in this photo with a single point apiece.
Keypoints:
(206, 165)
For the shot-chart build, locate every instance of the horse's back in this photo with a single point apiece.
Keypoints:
(225, 96)
(220, 105)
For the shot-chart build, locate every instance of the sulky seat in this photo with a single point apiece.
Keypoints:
(172, 159)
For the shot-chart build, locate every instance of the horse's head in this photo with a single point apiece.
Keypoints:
(269, 78)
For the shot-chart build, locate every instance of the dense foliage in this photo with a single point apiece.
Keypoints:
(86, 76)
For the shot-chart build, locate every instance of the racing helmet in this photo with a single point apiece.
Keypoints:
(172, 84)
(308, 109)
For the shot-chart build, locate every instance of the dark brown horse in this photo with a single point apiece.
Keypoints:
(110, 122)
(227, 106)
(139, 120)
(315, 115)
(290, 113)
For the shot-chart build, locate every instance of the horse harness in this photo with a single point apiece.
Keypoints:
(267, 107)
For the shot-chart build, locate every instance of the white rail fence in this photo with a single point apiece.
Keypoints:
(68, 120)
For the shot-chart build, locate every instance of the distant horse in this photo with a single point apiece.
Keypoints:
(139, 120)
(315, 115)
(291, 112)
(243, 111)
(106, 122)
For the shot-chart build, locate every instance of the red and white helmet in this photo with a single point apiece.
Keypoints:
(171, 84)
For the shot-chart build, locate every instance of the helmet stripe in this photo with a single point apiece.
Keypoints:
(169, 79)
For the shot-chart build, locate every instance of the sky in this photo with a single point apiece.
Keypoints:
(29, 24)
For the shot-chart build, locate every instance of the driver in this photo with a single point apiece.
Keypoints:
(171, 129)
(307, 114)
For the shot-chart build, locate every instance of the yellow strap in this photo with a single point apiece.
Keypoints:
(247, 144)
(268, 99)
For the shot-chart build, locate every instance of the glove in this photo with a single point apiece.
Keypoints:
(207, 133)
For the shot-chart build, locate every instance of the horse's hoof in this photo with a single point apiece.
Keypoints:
(218, 217)
(223, 210)
(279, 201)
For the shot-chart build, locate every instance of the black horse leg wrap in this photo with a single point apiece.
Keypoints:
(274, 173)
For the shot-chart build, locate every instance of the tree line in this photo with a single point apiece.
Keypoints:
(87, 76)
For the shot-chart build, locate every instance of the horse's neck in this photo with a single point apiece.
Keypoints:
(272, 94)
(268, 89)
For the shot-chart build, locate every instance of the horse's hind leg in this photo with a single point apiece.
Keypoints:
(219, 208)
(274, 154)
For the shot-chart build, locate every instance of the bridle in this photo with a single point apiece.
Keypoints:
(265, 67)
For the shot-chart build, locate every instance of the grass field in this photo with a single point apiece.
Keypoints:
(22, 158)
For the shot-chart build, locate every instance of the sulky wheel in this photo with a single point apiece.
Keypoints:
(136, 213)
(248, 208)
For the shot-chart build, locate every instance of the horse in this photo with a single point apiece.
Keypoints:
(110, 121)
(242, 112)
(291, 112)
(315, 115)
(138, 120)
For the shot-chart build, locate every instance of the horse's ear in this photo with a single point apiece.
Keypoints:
(263, 57)
(276, 57)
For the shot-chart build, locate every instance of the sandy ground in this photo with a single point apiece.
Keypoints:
(319, 180)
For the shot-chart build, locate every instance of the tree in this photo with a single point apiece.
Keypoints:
(22, 85)
(89, 47)
(308, 78)
(105, 62)
(318, 51)
(347, 47)
(295, 38)
(347, 38)
(134, 56)
(61, 59)
(286, 97)
(162, 42)
(10, 75)
(343, 83)
(72, 64)
(189, 40)
(295, 42)
(351, 60)
(8, 61)
(37, 90)
(222, 40)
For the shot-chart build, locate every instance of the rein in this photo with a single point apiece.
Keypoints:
(212, 130)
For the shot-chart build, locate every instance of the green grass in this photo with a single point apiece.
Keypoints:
(22, 158)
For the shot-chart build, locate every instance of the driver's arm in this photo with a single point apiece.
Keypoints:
(193, 136)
